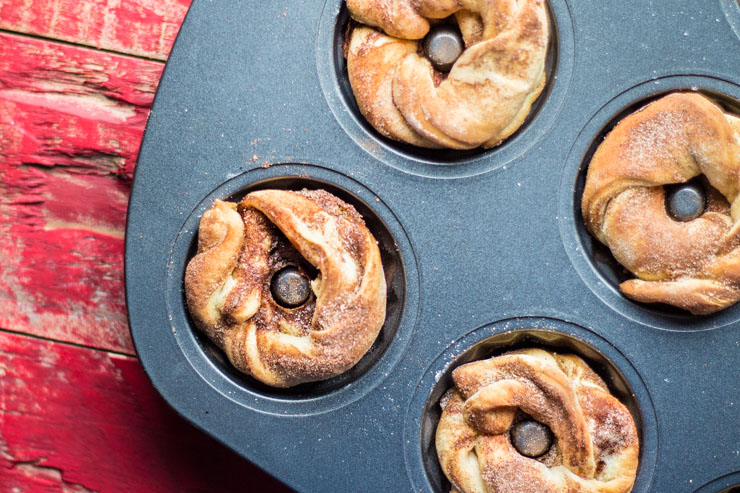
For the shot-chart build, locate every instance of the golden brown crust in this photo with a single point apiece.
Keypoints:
(596, 447)
(371, 66)
(227, 285)
(398, 18)
(692, 265)
(485, 97)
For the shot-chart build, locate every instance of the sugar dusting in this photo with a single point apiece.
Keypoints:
(608, 423)
(326, 335)
(672, 140)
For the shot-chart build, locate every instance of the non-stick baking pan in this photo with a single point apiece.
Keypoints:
(485, 251)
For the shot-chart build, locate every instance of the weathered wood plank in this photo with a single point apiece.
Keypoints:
(77, 420)
(72, 106)
(139, 27)
(71, 122)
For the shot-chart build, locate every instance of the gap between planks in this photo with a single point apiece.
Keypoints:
(71, 121)
(143, 28)
(72, 418)
(82, 45)
(67, 343)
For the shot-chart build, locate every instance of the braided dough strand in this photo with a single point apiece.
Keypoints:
(596, 448)
(486, 96)
(228, 285)
(694, 265)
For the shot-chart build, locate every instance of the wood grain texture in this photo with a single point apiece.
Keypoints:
(77, 420)
(71, 122)
(71, 119)
(145, 28)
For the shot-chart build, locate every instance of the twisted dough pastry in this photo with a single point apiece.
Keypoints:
(693, 265)
(596, 447)
(489, 91)
(227, 285)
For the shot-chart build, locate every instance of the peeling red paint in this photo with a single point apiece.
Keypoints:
(71, 119)
(71, 107)
(74, 419)
(36, 478)
(139, 27)
(62, 271)
(71, 122)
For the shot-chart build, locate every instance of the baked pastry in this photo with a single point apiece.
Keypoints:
(694, 265)
(229, 285)
(488, 92)
(595, 446)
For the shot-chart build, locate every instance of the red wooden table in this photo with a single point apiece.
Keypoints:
(77, 413)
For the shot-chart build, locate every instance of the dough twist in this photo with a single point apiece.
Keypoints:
(693, 265)
(596, 446)
(489, 91)
(227, 285)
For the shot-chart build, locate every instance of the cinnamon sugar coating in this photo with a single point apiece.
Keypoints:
(596, 447)
(692, 265)
(227, 285)
(489, 91)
